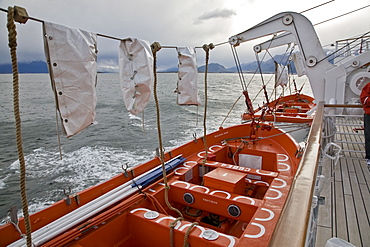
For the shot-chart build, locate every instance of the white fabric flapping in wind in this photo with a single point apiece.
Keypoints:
(281, 75)
(71, 54)
(299, 64)
(136, 73)
(187, 85)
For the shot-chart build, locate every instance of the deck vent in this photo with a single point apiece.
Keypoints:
(210, 235)
(188, 198)
(151, 215)
(233, 210)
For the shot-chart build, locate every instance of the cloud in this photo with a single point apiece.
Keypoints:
(108, 65)
(217, 13)
(171, 23)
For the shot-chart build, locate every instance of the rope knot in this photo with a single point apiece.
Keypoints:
(208, 47)
(155, 47)
(12, 32)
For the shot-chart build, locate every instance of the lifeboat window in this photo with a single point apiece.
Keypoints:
(251, 161)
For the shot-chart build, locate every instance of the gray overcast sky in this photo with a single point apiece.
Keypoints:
(174, 23)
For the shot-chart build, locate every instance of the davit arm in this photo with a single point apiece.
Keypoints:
(299, 29)
(330, 83)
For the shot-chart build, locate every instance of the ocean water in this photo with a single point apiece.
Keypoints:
(98, 153)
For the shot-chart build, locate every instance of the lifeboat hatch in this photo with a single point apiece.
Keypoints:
(256, 159)
(226, 180)
(237, 182)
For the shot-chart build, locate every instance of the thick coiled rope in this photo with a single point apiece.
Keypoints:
(206, 48)
(12, 36)
(155, 48)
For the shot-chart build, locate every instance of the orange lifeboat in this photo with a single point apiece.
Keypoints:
(229, 194)
(294, 108)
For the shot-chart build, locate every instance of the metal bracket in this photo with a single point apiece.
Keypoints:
(126, 169)
(68, 200)
(13, 215)
(336, 150)
(77, 198)
(20, 15)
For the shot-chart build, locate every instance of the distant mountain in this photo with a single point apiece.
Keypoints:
(213, 68)
(30, 67)
(267, 67)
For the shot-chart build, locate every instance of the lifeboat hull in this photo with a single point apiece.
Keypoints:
(231, 195)
(293, 108)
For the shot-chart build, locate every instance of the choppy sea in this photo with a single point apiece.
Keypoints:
(97, 153)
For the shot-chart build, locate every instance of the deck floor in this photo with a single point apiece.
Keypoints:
(344, 210)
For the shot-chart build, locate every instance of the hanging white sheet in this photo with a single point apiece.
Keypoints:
(136, 73)
(187, 84)
(71, 54)
(299, 64)
(281, 75)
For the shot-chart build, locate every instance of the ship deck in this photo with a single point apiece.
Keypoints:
(344, 204)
